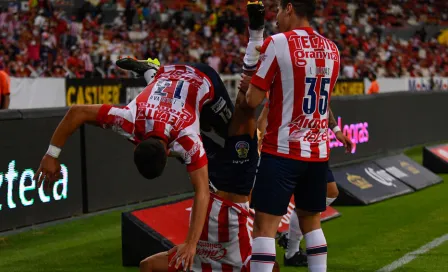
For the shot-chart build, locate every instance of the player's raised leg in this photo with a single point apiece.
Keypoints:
(156, 263)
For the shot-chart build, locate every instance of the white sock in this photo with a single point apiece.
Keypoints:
(294, 236)
(252, 55)
(330, 200)
(263, 254)
(316, 250)
(149, 75)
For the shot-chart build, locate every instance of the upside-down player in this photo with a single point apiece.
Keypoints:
(163, 120)
(225, 243)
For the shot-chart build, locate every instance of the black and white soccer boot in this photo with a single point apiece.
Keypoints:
(256, 12)
(299, 259)
(138, 66)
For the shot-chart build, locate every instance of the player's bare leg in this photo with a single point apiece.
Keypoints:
(263, 246)
(332, 192)
(294, 254)
(155, 263)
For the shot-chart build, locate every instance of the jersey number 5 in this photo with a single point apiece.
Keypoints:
(309, 100)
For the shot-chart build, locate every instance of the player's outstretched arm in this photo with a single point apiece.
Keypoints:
(333, 125)
(76, 116)
(185, 252)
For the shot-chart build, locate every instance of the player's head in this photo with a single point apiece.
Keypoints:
(293, 12)
(150, 158)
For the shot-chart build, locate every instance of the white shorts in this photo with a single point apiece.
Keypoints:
(225, 242)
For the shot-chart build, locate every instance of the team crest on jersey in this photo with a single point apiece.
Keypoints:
(242, 148)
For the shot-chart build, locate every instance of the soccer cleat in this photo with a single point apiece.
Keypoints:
(256, 12)
(299, 259)
(138, 66)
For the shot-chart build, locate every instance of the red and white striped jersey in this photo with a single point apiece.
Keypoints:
(169, 109)
(300, 69)
(225, 242)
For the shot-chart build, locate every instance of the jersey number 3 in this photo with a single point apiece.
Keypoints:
(309, 100)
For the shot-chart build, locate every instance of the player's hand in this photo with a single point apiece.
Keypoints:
(49, 171)
(258, 47)
(348, 144)
(244, 83)
(184, 255)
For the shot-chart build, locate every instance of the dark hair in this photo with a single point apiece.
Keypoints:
(150, 158)
(302, 8)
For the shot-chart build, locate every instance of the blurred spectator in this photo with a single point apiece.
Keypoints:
(213, 32)
(374, 87)
(5, 82)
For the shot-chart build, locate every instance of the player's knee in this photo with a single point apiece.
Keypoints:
(308, 221)
(150, 158)
(146, 265)
(332, 190)
(265, 225)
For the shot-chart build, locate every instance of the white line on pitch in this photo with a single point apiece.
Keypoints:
(414, 254)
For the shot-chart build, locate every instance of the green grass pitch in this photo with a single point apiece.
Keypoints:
(362, 239)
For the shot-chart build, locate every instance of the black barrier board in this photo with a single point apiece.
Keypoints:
(371, 129)
(103, 91)
(138, 241)
(367, 183)
(435, 158)
(408, 171)
(132, 88)
(93, 91)
(23, 146)
(113, 179)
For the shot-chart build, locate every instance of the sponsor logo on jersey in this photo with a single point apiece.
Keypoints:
(213, 251)
(165, 114)
(358, 181)
(242, 148)
(312, 130)
(381, 176)
(196, 147)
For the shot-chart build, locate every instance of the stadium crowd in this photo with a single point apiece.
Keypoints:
(48, 41)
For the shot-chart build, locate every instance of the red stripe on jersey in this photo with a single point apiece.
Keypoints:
(140, 123)
(223, 224)
(315, 153)
(258, 82)
(188, 144)
(299, 93)
(206, 267)
(204, 234)
(226, 268)
(243, 237)
(104, 118)
(274, 116)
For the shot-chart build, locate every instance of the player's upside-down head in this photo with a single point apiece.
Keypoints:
(150, 157)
